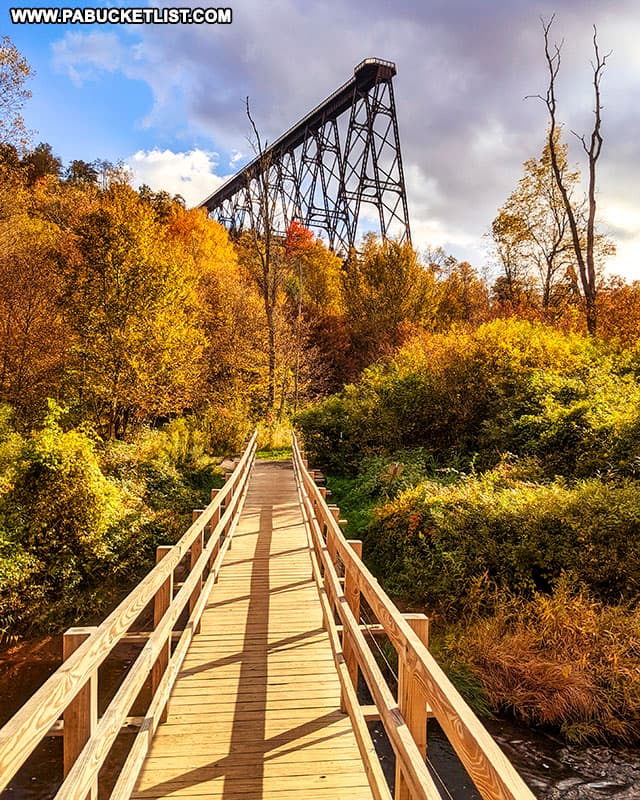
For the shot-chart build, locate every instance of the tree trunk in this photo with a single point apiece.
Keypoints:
(271, 388)
(584, 252)
(591, 313)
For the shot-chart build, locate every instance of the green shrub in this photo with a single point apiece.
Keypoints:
(384, 477)
(11, 443)
(66, 527)
(508, 387)
(434, 544)
(169, 470)
(329, 436)
(193, 440)
(226, 427)
(180, 442)
(274, 437)
(19, 572)
(80, 519)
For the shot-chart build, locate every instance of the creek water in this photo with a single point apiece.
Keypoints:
(551, 768)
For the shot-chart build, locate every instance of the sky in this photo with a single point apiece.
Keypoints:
(168, 100)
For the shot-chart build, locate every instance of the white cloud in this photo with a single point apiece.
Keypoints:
(84, 55)
(622, 221)
(626, 261)
(190, 174)
(236, 158)
(622, 218)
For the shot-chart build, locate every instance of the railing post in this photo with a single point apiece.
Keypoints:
(196, 552)
(81, 715)
(412, 703)
(215, 519)
(161, 603)
(227, 527)
(352, 594)
(331, 539)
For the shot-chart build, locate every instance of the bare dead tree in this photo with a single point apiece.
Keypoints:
(583, 246)
(261, 232)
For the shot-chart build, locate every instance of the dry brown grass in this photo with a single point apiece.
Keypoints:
(563, 659)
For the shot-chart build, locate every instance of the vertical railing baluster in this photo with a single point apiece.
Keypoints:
(161, 603)
(81, 715)
(215, 519)
(412, 702)
(196, 551)
(229, 502)
(352, 594)
(331, 537)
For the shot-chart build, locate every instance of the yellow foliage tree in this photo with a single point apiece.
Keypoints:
(33, 336)
(386, 291)
(133, 311)
(14, 72)
(234, 360)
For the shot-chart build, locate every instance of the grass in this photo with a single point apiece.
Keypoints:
(354, 508)
(562, 659)
(282, 454)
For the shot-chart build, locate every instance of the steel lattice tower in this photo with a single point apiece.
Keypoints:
(339, 158)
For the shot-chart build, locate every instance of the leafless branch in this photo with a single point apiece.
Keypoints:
(258, 142)
(592, 146)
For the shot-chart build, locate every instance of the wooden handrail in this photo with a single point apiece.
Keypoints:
(23, 732)
(492, 773)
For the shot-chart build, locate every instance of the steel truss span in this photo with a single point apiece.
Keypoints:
(339, 166)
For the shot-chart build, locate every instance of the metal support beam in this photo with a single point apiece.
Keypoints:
(325, 170)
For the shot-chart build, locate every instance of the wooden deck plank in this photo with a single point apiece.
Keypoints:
(255, 712)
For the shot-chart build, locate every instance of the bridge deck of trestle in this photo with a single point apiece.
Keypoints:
(255, 711)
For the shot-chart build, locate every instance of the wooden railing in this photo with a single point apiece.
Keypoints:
(423, 689)
(68, 700)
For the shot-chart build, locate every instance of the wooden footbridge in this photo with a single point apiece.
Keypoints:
(250, 674)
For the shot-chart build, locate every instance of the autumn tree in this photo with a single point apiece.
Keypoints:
(228, 306)
(531, 232)
(162, 202)
(137, 346)
(14, 73)
(33, 335)
(9, 157)
(262, 249)
(41, 162)
(461, 296)
(80, 171)
(314, 272)
(513, 286)
(13, 195)
(386, 291)
(109, 173)
(584, 247)
(314, 291)
(619, 311)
